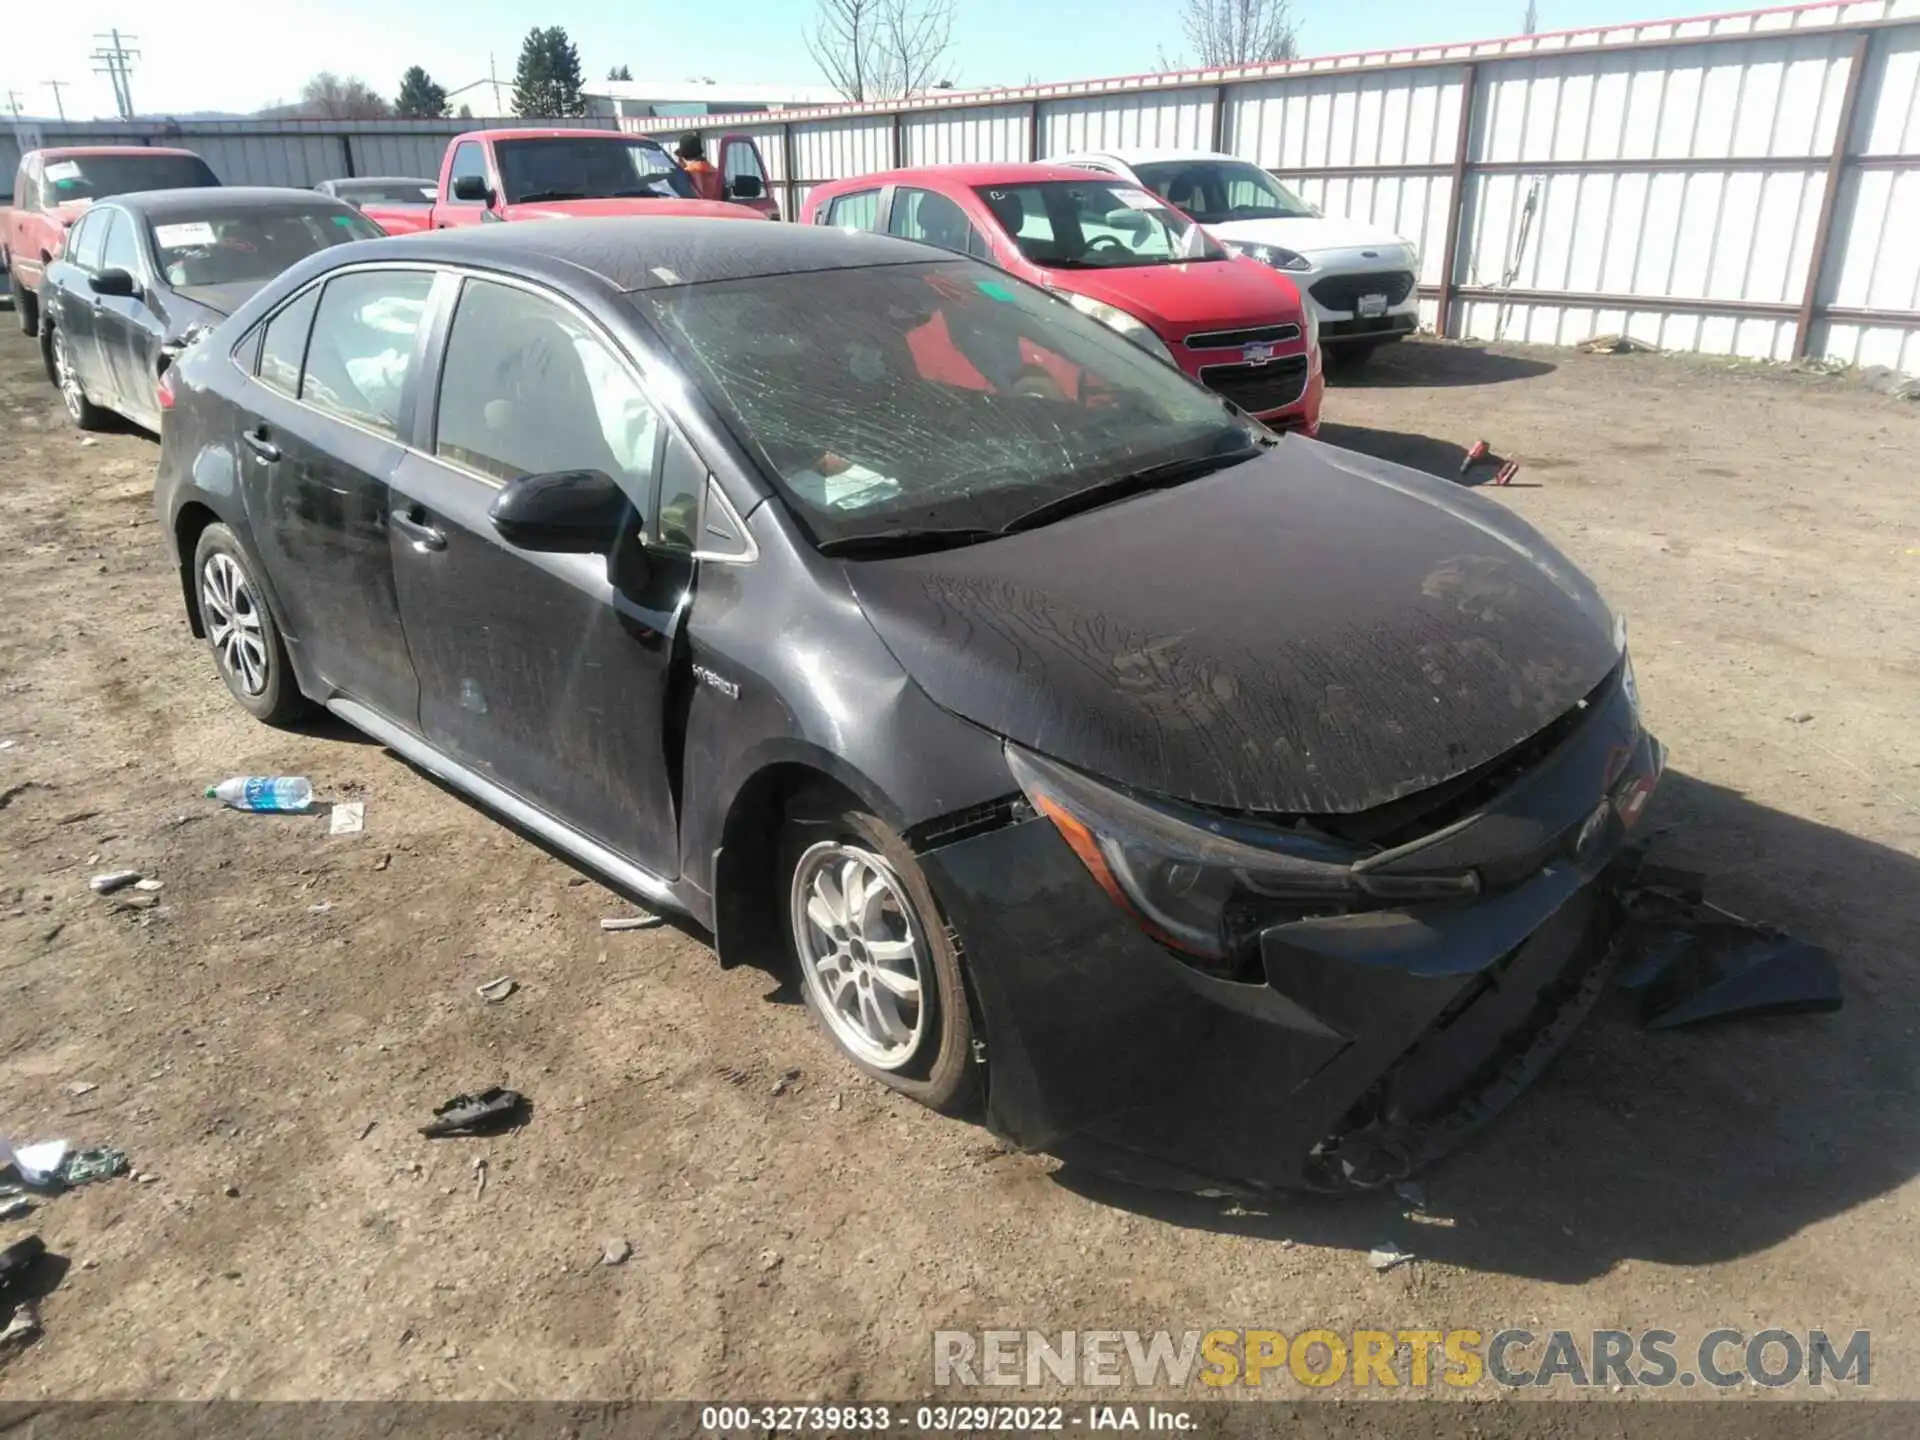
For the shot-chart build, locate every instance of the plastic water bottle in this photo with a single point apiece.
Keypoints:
(279, 794)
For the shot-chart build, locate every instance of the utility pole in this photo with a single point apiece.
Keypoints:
(113, 55)
(58, 104)
(1533, 18)
(13, 103)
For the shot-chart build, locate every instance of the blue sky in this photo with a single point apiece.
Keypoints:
(243, 54)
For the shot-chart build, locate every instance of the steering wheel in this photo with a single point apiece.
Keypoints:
(1108, 242)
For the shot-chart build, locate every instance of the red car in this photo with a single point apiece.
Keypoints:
(54, 188)
(553, 174)
(1118, 254)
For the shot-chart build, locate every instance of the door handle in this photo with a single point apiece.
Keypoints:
(256, 440)
(423, 536)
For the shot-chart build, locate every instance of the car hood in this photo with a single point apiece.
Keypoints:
(201, 304)
(1311, 632)
(1206, 294)
(1311, 235)
(585, 209)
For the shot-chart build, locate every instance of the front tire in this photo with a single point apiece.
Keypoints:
(73, 393)
(1349, 359)
(246, 644)
(877, 968)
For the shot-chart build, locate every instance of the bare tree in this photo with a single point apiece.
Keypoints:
(915, 39)
(1239, 32)
(881, 49)
(328, 96)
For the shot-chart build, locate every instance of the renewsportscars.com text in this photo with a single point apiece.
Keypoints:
(1385, 1359)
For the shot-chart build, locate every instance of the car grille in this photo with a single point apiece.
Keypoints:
(1258, 388)
(1343, 292)
(1238, 339)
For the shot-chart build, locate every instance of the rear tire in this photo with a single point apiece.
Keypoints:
(246, 643)
(73, 393)
(880, 974)
(26, 305)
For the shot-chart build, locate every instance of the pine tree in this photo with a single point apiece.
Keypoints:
(619, 72)
(548, 79)
(420, 98)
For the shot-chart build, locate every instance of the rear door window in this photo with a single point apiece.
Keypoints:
(285, 345)
(362, 346)
(933, 219)
(528, 388)
(858, 211)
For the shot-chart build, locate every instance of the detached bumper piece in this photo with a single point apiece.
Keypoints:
(1686, 961)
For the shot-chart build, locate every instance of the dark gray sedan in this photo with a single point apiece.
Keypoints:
(140, 273)
(1219, 809)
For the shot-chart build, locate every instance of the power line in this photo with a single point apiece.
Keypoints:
(57, 86)
(113, 59)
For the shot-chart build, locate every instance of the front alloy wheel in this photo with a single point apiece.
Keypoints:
(860, 955)
(877, 965)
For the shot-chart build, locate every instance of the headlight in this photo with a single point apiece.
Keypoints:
(1118, 320)
(1199, 883)
(1311, 312)
(1273, 255)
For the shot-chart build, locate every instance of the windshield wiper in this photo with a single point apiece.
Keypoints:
(906, 540)
(533, 197)
(1154, 477)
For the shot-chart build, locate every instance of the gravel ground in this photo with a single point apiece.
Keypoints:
(264, 1039)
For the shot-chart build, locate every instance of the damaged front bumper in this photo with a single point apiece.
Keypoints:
(1373, 1042)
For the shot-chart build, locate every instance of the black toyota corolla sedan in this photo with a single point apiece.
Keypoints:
(1209, 808)
(141, 272)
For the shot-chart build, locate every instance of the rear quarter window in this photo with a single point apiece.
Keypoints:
(858, 211)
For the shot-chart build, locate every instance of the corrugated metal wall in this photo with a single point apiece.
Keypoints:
(1666, 180)
(274, 152)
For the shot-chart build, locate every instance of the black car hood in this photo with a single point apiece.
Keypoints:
(214, 302)
(1310, 632)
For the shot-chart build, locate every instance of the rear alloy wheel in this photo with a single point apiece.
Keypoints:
(82, 411)
(246, 644)
(876, 965)
(26, 305)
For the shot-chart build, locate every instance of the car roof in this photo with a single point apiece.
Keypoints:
(642, 252)
(1005, 172)
(556, 132)
(381, 180)
(1147, 155)
(63, 152)
(168, 204)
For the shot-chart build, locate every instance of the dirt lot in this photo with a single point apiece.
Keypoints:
(266, 1038)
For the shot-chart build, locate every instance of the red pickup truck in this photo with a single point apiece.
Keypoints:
(553, 174)
(54, 188)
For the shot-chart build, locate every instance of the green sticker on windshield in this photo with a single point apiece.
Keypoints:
(995, 290)
(345, 222)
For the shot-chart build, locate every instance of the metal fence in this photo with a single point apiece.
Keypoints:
(1742, 184)
(274, 152)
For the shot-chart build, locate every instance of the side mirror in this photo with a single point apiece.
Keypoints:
(745, 187)
(113, 282)
(567, 512)
(472, 187)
